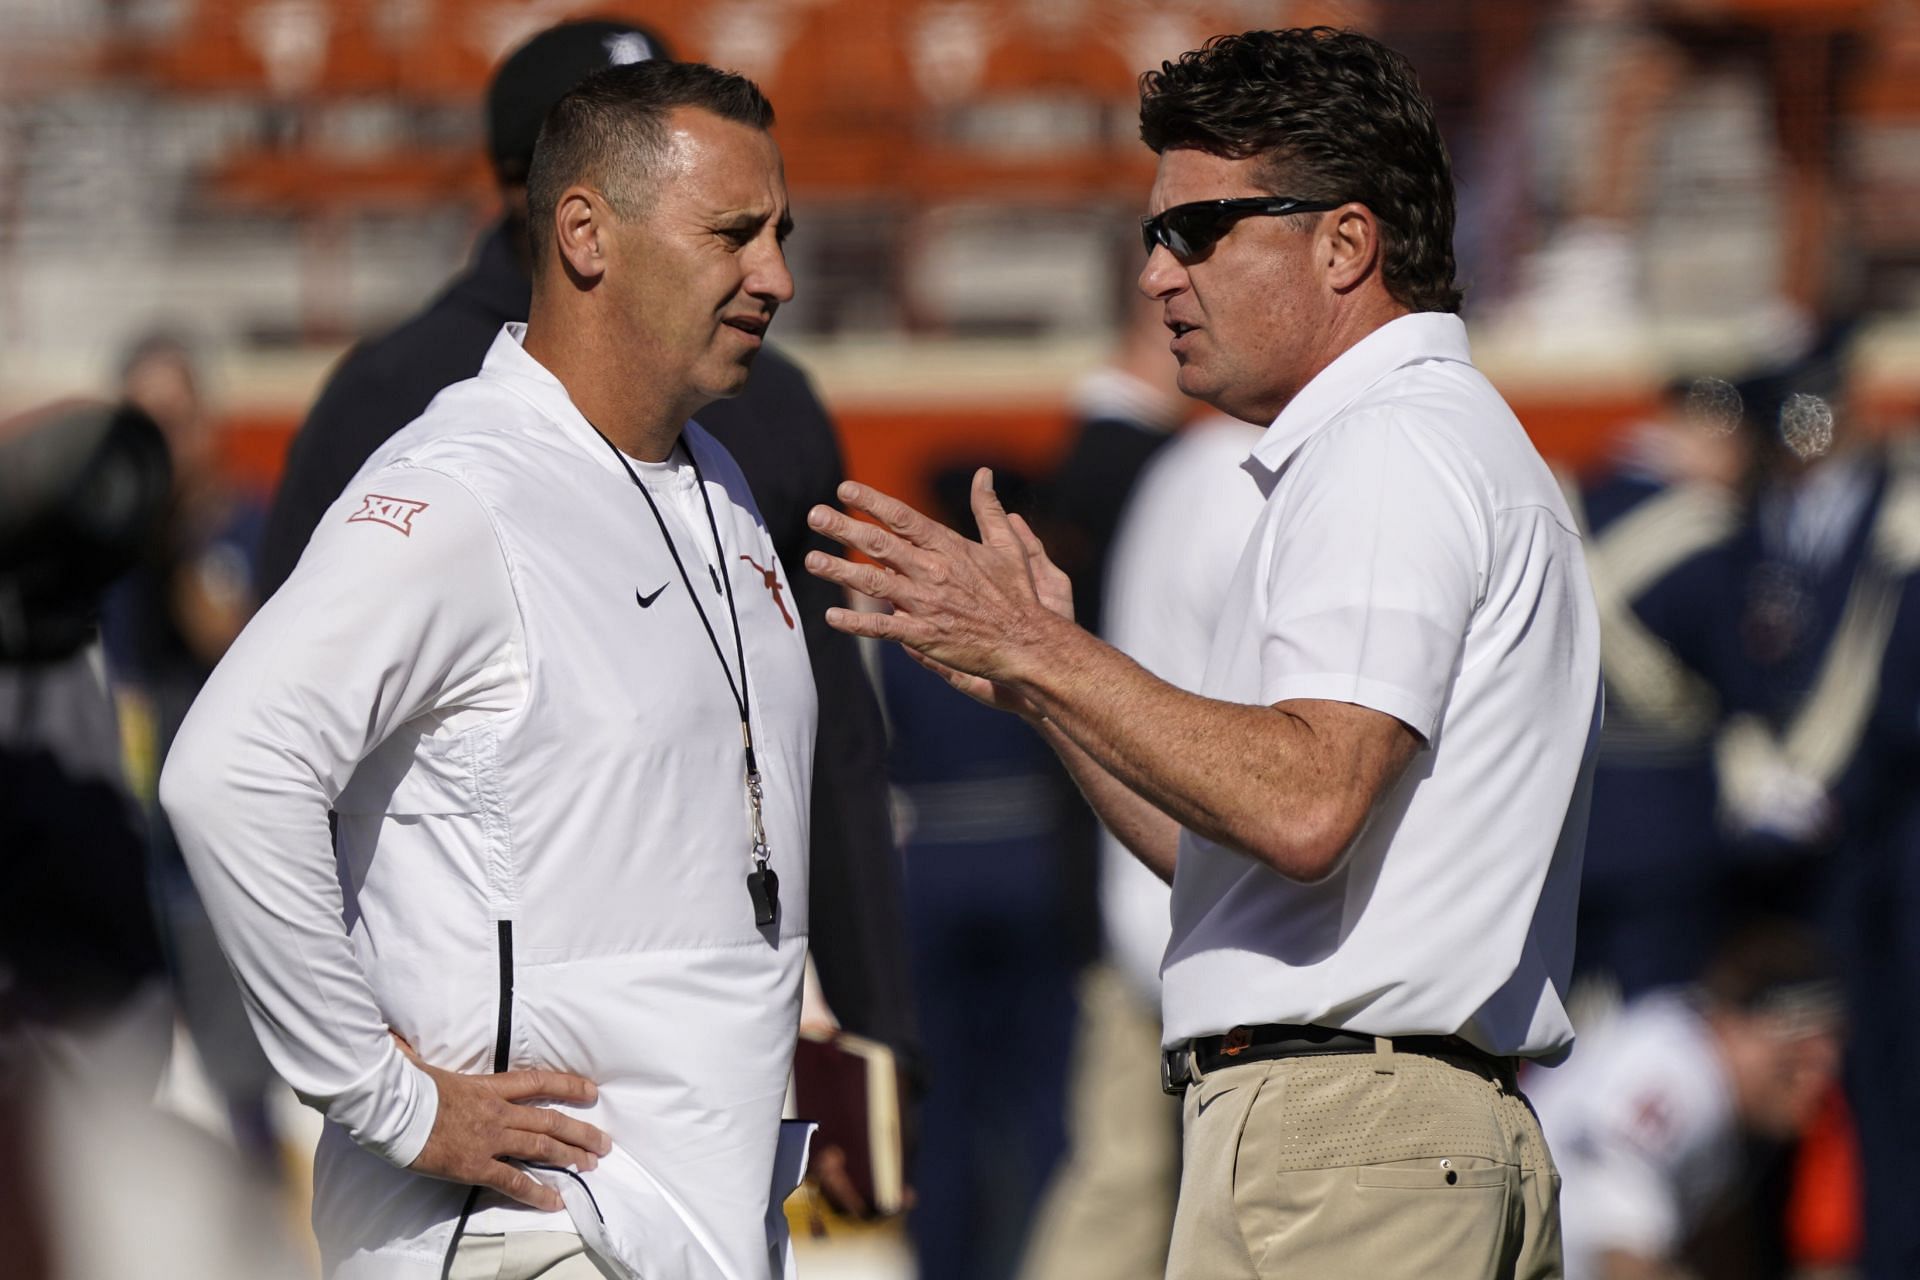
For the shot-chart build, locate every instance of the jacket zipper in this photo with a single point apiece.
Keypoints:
(503, 1039)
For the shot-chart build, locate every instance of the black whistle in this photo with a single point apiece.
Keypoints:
(763, 886)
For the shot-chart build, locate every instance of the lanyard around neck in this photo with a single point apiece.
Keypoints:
(763, 886)
(742, 691)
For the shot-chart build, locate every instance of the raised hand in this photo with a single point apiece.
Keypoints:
(973, 612)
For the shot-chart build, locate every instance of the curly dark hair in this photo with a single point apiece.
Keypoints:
(1337, 116)
(611, 133)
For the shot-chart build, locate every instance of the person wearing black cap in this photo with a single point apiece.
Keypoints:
(781, 436)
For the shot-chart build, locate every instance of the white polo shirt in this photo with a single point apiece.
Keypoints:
(1414, 556)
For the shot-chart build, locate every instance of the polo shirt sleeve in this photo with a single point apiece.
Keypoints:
(402, 607)
(1377, 559)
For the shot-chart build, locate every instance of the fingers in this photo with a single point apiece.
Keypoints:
(871, 540)
(1029, 540)
(894, 514)
(538, 1148)
(563, 1128)
(868, 579)
(520, 1185)
(995, 530)
(559, 1086)
(881, 626)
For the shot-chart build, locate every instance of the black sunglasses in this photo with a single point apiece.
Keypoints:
(1189, 230)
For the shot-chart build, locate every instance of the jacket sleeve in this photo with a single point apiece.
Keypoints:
(402, 607)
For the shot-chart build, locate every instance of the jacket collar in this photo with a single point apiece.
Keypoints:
(1410, 339)
(508, 362)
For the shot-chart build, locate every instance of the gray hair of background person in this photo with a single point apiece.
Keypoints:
(610, 133)
(1340, 117)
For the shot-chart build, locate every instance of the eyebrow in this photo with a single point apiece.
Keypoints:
(742, 219)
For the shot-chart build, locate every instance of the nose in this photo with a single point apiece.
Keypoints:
(1163, 276)
(768, 277)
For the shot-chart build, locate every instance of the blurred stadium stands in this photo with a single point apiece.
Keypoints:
(285, 175)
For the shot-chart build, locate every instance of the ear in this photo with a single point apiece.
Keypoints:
(580, 224)
(1350, 242)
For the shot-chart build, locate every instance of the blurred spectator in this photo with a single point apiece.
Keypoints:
(1819, 560)
(1646, 1119)
(982, 810)
(1873, 917)
(1657, 525)
(777, 430)
(166, 624)
(1123, 415)
(82, 487)
(1815, 770)
(1109, 1213)
(96, 1182)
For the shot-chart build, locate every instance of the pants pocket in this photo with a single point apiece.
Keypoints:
(1426, 1219)
(1434, 1175)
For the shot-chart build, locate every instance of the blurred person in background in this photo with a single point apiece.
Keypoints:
(1828, 538)
(984, 818)
(776, 429)
(1809, 764)
(83, 492)
(536, 673)
(95, 1182)
(166, 624)
(1647, 1120)
(1876, 905)
(1374, 814)
(1123, 414)
(1109, 1213)
(1658, 523)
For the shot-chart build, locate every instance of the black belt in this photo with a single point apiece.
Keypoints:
(1285, 1040)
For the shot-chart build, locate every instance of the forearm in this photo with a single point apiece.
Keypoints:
(1147, 832)
(264, 868)
(1247, 777)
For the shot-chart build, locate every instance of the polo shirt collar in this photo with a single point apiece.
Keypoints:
(507, 361)
(1410, 339)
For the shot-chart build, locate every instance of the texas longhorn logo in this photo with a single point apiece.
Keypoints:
(773, 584)
(395, 513)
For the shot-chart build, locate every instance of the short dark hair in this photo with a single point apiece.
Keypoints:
(610, 133)
(1337, 116)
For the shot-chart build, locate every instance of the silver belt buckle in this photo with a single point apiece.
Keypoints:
(1176, 1070)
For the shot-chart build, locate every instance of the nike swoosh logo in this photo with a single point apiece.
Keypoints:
(1207, 1102)
(647, 601)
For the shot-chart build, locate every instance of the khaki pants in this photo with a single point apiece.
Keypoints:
(1377, 1166)
(523, 1255)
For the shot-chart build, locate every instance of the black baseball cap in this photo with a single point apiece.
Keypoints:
(544, 70)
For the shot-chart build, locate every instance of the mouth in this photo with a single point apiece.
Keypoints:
(754, 327)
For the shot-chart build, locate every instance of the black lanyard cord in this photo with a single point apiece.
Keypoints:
(741, 692)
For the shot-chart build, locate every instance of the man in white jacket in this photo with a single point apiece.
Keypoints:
(531, 661)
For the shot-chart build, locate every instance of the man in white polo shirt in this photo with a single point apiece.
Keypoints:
(533, 662)
(1373, 812)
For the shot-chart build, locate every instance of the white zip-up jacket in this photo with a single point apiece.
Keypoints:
(487, 665)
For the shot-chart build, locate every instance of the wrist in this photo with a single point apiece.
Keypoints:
(1037, 662)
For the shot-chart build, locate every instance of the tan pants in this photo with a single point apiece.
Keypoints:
(1109, 1209)
(523, 1255)
(1376, 1166)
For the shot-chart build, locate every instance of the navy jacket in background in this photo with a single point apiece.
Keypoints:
(781, 436)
